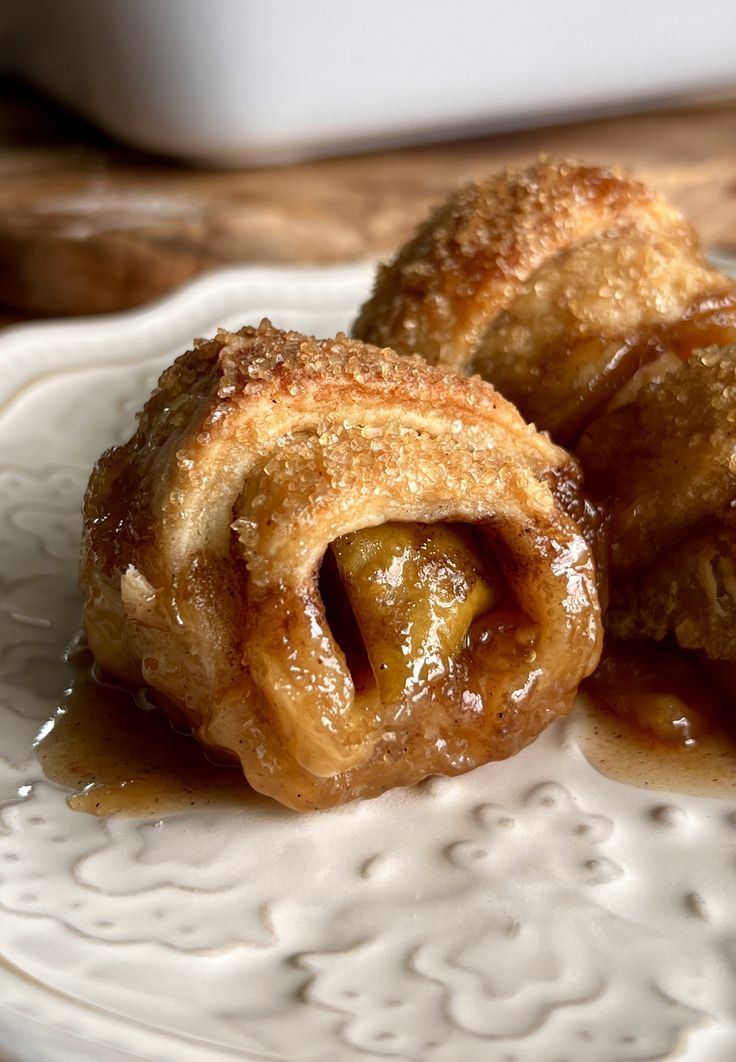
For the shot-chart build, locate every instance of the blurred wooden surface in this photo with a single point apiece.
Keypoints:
(88, 226)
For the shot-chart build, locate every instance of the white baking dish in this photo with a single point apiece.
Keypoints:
(251, 81)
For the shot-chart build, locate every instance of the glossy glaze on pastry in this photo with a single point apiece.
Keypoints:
(586, 299)
(344, 568)
(665, 461)
(558, 283)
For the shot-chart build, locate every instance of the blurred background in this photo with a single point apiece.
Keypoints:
(143, 142)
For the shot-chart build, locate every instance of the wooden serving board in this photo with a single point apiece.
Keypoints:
(87, 226)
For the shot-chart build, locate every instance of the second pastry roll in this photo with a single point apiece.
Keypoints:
(344, 568)
(559, 283)
(587, 300)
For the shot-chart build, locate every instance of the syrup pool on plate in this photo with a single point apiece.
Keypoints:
(651, 716)
(657, 717)
(121, 756)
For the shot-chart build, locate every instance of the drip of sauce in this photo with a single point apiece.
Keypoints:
(121, 756)
(657, 717)
(652, 716)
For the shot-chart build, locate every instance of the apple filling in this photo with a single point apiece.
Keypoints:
(414, 590)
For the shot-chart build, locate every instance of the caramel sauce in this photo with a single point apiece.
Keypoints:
(657, 717)
(121, 756)
(709, 321)
(651, 716)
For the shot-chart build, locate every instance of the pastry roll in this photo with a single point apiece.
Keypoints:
(345, 569)
(586, 300)
(666, 464)
(558, 283)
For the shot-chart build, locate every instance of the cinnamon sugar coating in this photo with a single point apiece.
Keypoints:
(549, 281)
(586, 300)
(204, 536)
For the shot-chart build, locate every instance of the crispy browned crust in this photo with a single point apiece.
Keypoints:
(690, 592)
(474, 253)
(665, 463)
(204, 534)
(549, 281)
(582, 296)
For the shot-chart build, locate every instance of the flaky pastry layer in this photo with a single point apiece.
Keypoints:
(586, 299)
(205, 534)
(553, 282)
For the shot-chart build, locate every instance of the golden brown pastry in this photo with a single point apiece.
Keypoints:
(557, 283)
(586, 299)
(344, 568)
(666, 463)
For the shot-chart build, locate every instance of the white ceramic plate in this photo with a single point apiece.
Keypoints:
(531, 911)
